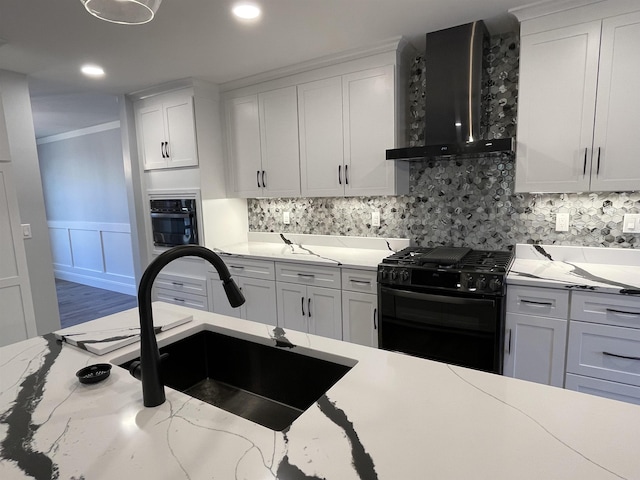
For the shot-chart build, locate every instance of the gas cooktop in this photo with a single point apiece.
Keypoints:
(453, 258)
(455, 269)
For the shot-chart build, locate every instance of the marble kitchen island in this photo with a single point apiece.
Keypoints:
(390, 417)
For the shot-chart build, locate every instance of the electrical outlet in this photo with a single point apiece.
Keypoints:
(286, 218)
(562, 222)
(375, 219)
(631, 223)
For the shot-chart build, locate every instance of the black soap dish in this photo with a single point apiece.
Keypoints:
(94, 373)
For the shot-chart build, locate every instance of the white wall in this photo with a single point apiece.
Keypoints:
(87, 208)
(26, 172)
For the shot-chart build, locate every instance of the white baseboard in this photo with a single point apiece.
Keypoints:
(128, 288)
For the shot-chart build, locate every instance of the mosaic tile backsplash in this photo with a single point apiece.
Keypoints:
(463, 202)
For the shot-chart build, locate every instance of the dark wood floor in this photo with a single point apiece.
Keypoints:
(81, 303)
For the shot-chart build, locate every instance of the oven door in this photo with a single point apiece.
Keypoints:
(171, 229)
(451, 328)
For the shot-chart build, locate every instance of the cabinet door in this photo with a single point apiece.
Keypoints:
(151, 132)
(603, 388)
(556, 107)
(321, 138)
(535, 348)
(360, 318)
(260, 296)
(180, 132)
(279, 142)
(324, 311)
(292, 306)
(243, 146)
(369, 130)
(616, 166)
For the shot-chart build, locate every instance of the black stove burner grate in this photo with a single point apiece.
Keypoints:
(453, 257)
(493, 260)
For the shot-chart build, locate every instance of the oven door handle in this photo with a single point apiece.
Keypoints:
(171, 215)
(435, 298)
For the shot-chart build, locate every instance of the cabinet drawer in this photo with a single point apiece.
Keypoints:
(603, 388)
(246, 267)
(182, 284)
(606, 308)
(359, 280)
(544, 302)
(308, 275)
(185, 299)
(604, 351)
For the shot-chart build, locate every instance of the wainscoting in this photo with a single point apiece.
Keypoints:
(94, 254)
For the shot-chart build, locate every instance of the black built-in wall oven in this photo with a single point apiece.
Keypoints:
(174, 222)
(445, 304)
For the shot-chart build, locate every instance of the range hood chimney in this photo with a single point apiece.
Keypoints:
(453, 104)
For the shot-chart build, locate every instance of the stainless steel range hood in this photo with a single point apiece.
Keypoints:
(453, 103)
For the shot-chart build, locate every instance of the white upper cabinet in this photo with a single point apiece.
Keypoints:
(369, 123)
(321, 137)
(616, 164)
(576, 129)
(262, 144)
(166, 131)
(320, 132)
(346, 125)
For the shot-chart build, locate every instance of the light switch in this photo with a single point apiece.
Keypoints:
(375, 219)
(286, 219)
(26, 230)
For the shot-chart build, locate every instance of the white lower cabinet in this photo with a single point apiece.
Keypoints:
(182, 290)
(309, 299)
(603, 354)
(255, 278)
(314, 310)
(360, 307)
(536, 334)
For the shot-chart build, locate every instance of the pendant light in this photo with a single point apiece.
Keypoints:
(127, 12)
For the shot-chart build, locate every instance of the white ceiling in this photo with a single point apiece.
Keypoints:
(49, 39)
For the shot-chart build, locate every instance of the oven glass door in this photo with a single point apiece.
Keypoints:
(461, 330)
(170, 229)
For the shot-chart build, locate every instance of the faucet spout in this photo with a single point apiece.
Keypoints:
(152, 387)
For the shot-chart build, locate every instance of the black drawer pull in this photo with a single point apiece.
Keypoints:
(546, 304)
(620, 356)
(181, 300)
(361, 282)
(306, 275)
(236, 267)
(612, 310)
(178, 284)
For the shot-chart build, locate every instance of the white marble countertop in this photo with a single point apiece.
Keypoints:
(390, 417)
(354, 252)
(607, 270)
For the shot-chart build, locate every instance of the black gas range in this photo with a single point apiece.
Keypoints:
(446, 304)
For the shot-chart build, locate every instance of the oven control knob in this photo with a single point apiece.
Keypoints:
(383, 274)
(394, 274)
(495, 284)
(481, 283)
(404, 275)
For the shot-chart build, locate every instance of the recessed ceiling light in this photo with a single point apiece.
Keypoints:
(246, 11)
(92, 70)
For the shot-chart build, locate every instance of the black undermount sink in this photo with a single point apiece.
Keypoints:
(269, 385)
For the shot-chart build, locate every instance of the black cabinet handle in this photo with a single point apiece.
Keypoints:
(166, 149)
(635, 314)
(509, 343)
(346, 174)
(302, 303)
(375, 318)
(258, 178)
(620, 356)
(340, 174)
(598, 168)
(264, 185)
(309, 307)
(546, 304)
(584, 168)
